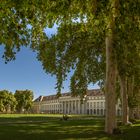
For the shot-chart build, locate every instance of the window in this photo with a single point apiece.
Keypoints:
(88, 111)
(101, 111)
(94, 104)
(97, 111)
(101, 104)
(91, 104)
(94, 111)
(97, 104)
(87, 105)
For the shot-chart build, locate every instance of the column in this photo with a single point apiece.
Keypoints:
(75, 108)
(72, 107)
(82, 105)
(64, 107)
(79, 108)
(59, 107)
(85, 107)
(68, 107)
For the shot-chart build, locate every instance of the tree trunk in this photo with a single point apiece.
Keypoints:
(137, 115)
(125, 109)
(131, 113)
(110, 96)
(130, 91)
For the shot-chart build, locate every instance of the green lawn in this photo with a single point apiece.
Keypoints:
(51, 127)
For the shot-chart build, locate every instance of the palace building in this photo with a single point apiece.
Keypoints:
(93, 104)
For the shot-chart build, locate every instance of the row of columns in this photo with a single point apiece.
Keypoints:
(73, 107)
(100, 112)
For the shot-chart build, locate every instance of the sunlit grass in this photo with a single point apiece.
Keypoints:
(51, 127)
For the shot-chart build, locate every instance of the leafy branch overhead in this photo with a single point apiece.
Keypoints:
(98, 41)
(80, 37)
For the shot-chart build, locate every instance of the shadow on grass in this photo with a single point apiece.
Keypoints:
(52, 129)
(55, 129)
(20, 120)
(28, 118)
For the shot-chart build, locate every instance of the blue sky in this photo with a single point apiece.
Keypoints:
(26, 73)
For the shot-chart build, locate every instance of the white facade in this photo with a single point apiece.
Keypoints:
(92, 104)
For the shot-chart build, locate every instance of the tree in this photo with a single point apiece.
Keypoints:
(1, 101)
(116, 19)
(24, 100)
(7, 101)
(127, 62)
(107, 19)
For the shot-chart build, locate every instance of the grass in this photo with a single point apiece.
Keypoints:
(51, 127)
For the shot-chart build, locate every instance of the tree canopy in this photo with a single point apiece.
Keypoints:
(23, 23)
(91, 35)
(24, 100)
(7, 101)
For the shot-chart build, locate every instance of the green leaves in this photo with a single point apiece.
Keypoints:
(80, 41)
(7, 101)
(24, 100)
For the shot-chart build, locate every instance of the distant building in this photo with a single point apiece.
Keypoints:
(93, 104)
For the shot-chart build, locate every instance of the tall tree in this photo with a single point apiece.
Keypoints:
(106, 19)
(7, 101)
(24, 100)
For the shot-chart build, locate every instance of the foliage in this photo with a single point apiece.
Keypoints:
(7, 101)
(73, 49)
(80, 41)
(24, 100)
(80, 38)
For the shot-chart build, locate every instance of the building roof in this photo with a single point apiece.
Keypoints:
(50, 97)
(93, 92)
(39, 99)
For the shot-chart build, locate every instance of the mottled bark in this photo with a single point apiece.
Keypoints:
(130, 90)
(110, 95)
(124, 96)
(137, 114)
(131, 113)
